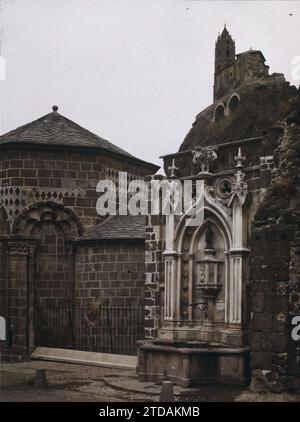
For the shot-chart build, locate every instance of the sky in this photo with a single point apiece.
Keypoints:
(135, 72)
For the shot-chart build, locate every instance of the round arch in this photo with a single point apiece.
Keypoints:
(39, 212)
(219, 113)
(233, 103)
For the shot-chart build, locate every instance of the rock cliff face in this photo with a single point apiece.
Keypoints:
(259, 107)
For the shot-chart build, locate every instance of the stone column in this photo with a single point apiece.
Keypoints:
(70, 251)
(20, 293)
(191, 290)
(235, 309)
(31, 249)
(172, 290)
(238, 263)
(238, 254)
(170, 285)
(178, 289)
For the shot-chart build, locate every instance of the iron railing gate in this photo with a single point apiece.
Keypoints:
(112, 329)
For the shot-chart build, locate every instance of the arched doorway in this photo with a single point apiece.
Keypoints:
(55, 228)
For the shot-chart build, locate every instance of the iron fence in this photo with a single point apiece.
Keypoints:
(111, 329)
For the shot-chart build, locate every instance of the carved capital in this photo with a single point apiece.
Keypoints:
(22, 247)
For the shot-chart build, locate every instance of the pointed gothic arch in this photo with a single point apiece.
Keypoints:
(213, 222)
(209, 207)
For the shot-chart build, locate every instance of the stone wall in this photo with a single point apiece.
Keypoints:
(18, 296)
(154, 275)
(269, 294)
(110, 272)
(4, 230)
(67, 177)
(50, 273)
(275, 263)
(53, 278)
(17, 302)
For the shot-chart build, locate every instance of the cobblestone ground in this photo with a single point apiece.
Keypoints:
(74, 383)
(66, 383)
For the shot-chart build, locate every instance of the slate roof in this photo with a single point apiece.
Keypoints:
(56, 130)
(118, 227)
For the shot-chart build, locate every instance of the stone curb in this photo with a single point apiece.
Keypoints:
(85, 358)
(124, 383)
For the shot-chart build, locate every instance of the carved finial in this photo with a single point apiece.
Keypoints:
(55, 108)
(239, 187)
(204, 156)
(239, 159)
(173, 170)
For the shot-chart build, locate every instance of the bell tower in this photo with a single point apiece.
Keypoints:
(224, 58)
(224, 51)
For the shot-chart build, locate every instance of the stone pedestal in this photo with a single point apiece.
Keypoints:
(192, 364)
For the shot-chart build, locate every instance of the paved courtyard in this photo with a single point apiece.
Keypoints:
(73, 383)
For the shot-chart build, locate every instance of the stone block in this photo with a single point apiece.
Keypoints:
(265, 381)
(262, 322)
(261, 359)
(275, 303)
(256, 341)
(257, 302)
(40, 379)
(279, 342)
(167, 392)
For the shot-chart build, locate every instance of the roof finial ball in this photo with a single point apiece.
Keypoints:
(55, 108)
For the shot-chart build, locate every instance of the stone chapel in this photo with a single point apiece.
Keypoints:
(57, 255)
